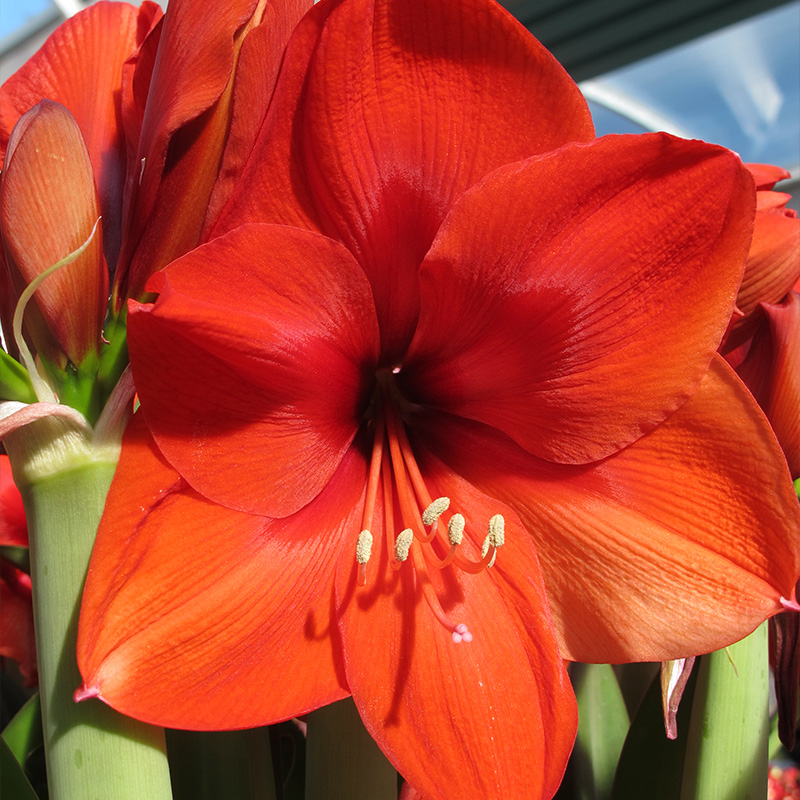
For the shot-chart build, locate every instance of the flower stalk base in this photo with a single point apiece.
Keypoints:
(92, 751)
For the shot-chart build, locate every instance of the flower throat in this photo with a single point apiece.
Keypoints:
(393, 466)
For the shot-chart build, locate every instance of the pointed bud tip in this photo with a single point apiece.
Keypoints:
(85, 692)
(790, 605)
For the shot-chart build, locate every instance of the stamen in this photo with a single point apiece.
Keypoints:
(435, 510)
(363, 552)
(403, 544)
(455, 529)
(402, 478)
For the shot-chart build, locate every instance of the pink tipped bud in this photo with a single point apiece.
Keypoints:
(48, 208)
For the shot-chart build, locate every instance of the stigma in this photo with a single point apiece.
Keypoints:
(431, 537)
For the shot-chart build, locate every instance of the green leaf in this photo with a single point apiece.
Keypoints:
(602, 729)
(13, 783)
(24, 733)
(651, 765)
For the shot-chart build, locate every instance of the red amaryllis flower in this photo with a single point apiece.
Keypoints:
(16, 608)
(464, 316)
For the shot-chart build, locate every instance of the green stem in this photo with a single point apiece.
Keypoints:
(91, 750)
(602, 730)
(726, 753)
(342, 760)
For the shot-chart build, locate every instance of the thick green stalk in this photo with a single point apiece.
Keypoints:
(342, 760)
(92, 752)
(726, 754)
(602, 730)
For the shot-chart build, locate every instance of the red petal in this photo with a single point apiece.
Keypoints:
(406, 104)
(492, 718)
(554, 282)
(697, 521)
(48, 208)
(256, 74)
(16, 621)
(272, 186)
(199, 617)
(13, 525)
(253, 380)
(183, 133)
(771, 371)
(80, 66)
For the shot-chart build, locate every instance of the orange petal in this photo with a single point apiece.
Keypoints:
(195, 616)
(554, 281)
(677, 545)
(253, 380)
(773, 264)
(767, 175)
(48, 208)
(500, 708)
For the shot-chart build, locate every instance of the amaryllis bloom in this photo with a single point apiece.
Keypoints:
(438, 407)
(16, 608)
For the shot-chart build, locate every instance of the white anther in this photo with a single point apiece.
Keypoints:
(455, 529)
(435, 510)
(403, 544)
(497, 530)
(364, 547)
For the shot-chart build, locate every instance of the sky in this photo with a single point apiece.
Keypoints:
(15, 13)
